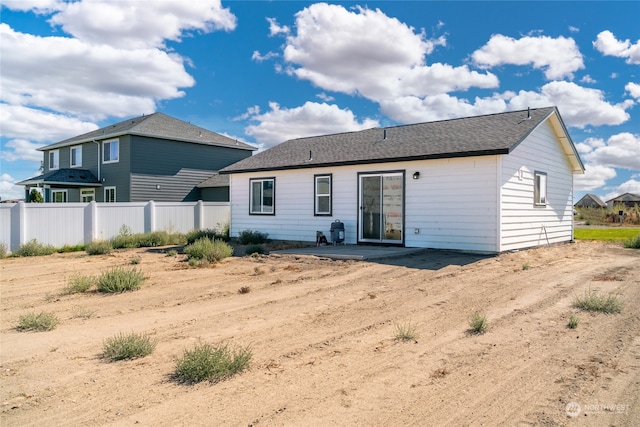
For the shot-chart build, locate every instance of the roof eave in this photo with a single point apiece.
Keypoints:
(311, 165)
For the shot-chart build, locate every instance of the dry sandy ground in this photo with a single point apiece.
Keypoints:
(323, 339)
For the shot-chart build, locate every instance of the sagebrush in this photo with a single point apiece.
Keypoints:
(34, 248)
(40, 322)
(208, 250)
(79, 283)
(212, 363)
(99, 247)
(128, 346)
(120, 279)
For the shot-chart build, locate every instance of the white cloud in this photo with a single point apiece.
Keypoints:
(607, 44)
(631, 186)
(559, 57)
(587, 79)
(132, 24)
(620, 151)
(275, 28)
(38, 6)
(368, 53)
(40, 126)
(574, 29)
(412, 109)
(325, 97)
(8, 189)
(258, 57)
(579, 106)
(633, 89)
(21, 149)
(280, 124)
(594, 176)
(84, 79)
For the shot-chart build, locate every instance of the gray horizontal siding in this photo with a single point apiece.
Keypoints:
(178, 187)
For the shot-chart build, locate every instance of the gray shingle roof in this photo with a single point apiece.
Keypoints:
(215, 180)
(73, 177)
(156, 125)
(463, 137)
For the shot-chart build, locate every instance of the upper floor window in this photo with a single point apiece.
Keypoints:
(262, 196)
(54, 159)
(76, 156)
(540, 189)
(110, 151)
(322, 203)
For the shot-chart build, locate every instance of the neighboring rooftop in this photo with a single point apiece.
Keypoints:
(471, 136)
(156, 125)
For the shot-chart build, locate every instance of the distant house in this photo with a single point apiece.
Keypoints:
(488, 184)
(590, 201)
(627, 199)
(153, 157)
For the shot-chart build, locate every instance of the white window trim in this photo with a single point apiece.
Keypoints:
(316, 195)
(540, 196)
(114, 194)
(110, 142)
(261, 205)
(53, 195)
(56, 156)
(71, 156)
(84, 192)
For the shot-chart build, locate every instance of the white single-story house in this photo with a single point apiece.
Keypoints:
(488, 183)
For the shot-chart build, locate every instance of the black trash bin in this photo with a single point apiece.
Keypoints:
(337, 232)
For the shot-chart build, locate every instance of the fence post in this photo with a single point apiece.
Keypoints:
(18, 223)
(150, 217)
(90, 222)
(199, 215)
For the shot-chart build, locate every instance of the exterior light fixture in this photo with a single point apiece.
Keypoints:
(416, 175)
(157, 186)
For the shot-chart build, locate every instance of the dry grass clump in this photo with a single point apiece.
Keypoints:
(212, 363)
(120, 280)
(478, 323)
(129, 346)
(597, 302)
(39, 322)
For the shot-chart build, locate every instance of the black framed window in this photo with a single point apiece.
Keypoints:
(263, 191)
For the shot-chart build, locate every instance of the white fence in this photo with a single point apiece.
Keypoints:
(60, 224)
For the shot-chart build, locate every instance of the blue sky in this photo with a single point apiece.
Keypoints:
(268, 71)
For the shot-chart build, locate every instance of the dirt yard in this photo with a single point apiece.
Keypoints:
(323, 339)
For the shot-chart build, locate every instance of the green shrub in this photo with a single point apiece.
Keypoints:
(250, 237)
(99, 247)
(207, 250)
(71, 248)
(124, 242)
(43, 321)
(3, 250)
(79, 284)
(209, 233)
(406, 332)
(206, 362)
(135, 261)
(33, 248)
(130, 346)
(120, 280)
(633, 243)
(478, 323)
(593, 301)
(254, 249)
(573, 322)
(147, 240)
(172, 252)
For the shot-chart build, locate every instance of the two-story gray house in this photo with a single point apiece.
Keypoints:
(153, 157)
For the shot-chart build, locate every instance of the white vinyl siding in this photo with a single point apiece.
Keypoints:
(76, 156)
(111, 151)
(54, 159)
(453, 203)
(524, 223)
